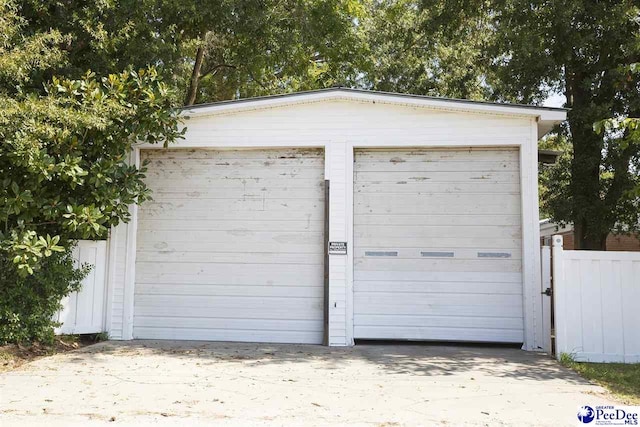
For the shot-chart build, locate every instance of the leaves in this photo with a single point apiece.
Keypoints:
(27, 249)
(64, 172)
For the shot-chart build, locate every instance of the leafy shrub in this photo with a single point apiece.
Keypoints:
(28, 303)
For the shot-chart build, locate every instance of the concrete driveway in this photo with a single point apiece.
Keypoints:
(197, 383)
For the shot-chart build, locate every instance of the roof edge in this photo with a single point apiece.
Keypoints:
(374, 93)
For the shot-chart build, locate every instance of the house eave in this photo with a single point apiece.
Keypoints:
(546, 117)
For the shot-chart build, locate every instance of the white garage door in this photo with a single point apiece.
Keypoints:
(231, 247)
(438, 245)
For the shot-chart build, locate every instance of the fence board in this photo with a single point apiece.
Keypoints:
(596, 296)
(83, 311)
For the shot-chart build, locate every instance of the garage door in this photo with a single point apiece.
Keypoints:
(231, 247)
(437, 248)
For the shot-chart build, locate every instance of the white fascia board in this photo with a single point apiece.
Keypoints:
(543, 113)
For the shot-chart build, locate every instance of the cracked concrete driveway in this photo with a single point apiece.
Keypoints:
(198, 383)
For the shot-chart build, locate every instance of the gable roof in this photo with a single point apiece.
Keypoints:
(547, 117)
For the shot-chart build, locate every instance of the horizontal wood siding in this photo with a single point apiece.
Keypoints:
(438, 245)
(115, 328)
(231, 247)
(363, 123)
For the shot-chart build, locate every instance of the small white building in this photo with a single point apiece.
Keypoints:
(435, 200)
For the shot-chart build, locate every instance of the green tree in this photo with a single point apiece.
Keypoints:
(260, 47)
(64, 172)
(426, 49)
(585, 50)
(212, 49)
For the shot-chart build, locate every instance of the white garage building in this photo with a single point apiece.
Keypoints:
(435, 199)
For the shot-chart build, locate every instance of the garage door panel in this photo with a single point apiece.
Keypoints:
(232, 224)
(166, 184)
(231, 247)
(437, 253)
(387, 308)
(393, 204)
(230, 257)
(238, 236)
(479, 186)
(437, 287)
(418, 219)
(266, 271)
(171, 213)
(400, 164)
(453, 176)
(364, 299)
(419, 155)
(472, 322)
(231, 324)
(228, 194)
(198, 161)
(251, 173)
(430, 231)
(271, 336)
(228, 290)
(241, 302)
(229, 278)
(266, 207)
(259, 313)
(230, 274)
(440, 334)
(427, 244)
(443, 265)
(286, 154)
(437, 243)
(438, 276)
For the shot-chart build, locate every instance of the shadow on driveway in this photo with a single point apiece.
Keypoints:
(399, 358)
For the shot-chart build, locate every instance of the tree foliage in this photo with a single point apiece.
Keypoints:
(586, 50)
(213, 49)
(426, 49)
(64, 171)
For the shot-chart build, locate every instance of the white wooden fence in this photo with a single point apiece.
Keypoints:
(597, 304)
(83, 312)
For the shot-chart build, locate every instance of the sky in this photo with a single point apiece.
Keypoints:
(555, 100)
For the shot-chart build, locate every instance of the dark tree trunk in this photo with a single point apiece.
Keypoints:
(192, 91)
(587, 206)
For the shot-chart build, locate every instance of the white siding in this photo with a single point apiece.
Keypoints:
(231, 247)
(438, 245)
(339, 126)
(118, 239)
(362, 124)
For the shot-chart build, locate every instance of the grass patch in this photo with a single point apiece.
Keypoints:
(623, 380)
(14, 355)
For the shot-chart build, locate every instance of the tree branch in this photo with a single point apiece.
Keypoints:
(216, 68)
(192, 91)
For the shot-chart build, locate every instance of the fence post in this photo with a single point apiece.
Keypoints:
(559, 289)
(545, 312)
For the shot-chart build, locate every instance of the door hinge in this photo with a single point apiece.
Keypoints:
(548, 292)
